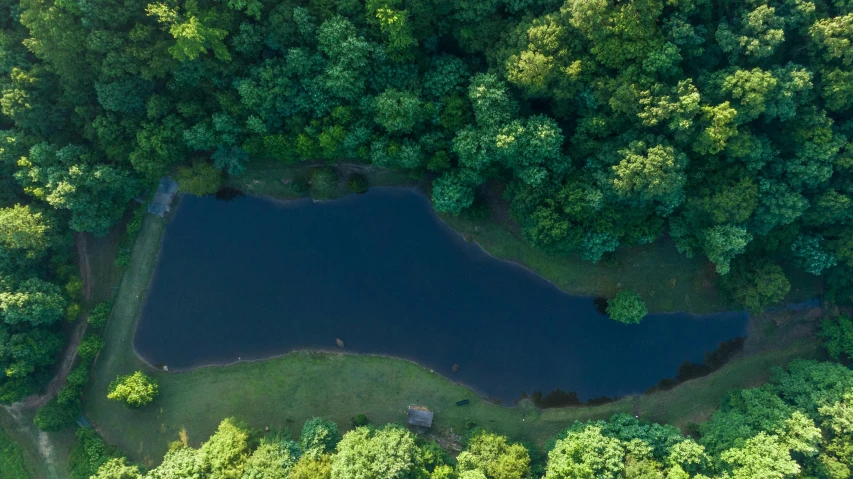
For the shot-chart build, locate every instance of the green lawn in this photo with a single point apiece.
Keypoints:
(284, 391)
(13, 462)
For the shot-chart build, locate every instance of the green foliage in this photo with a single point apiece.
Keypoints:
(452, 193)
(586, 453)
(386, 453)
(799, 424)
(225, 454)
(135, 390)
(69, 178)
(12, 459)
(230, 159)
(312, 468)
(717, 123)
(200, 179)
(57, 415)
(33, 301)
(272, 460)
(117, 468)
(318, 437)
(89, 347)
(626, 307)
(494, 457)
(358, 420)
(100, 314)
(24, 230)
(88, 454)
(397, 111)
(837, 336)
(756, 284)
(358, 183)
(324, 180)
(299, 187)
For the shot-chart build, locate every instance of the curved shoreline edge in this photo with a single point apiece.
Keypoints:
(451, 232)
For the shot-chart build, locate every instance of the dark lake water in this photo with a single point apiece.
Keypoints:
(252, 278)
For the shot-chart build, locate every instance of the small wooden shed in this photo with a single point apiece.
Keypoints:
(420, 417)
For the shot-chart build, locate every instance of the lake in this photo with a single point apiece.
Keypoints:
(253, 277)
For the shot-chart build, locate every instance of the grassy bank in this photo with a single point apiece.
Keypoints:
(284, 391)
(14, 462)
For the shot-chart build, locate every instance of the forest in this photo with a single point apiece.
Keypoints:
(722, 125)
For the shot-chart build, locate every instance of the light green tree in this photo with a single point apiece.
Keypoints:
(135, 390)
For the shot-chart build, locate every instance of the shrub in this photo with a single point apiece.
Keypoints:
(74, 288)
(100, 314)
(312, 468)
(135, 223)
(72, 311)
(88, 454)
(627, 307)
(299, 187)
(200, 179)
(837, 336)
(90, 346)
(358, 420)
(324, 180)
(56, 415)
(67, 394)
(135, 390)
(319, 437)
(358, 183)
(756, 284)
(79, 376)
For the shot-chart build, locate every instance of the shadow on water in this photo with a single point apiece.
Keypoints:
(600, 304)
(688, 370)
(242, 277)
(228, 193)
(713, 361)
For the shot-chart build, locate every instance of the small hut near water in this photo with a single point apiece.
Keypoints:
(162, 201)
(420, 417)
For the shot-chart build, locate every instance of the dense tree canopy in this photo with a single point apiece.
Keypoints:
(725, 125)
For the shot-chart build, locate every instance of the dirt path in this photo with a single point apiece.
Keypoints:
(41, 440)
(39, 400)
(83, 261)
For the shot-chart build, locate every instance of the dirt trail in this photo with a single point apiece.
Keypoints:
(41, 440)
(83, 261)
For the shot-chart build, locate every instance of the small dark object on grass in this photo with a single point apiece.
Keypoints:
(462, 402)
(299, 187)
(358, 420)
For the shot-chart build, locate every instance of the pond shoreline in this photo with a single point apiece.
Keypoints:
(416, 241)
(351, 383)
(514, 262)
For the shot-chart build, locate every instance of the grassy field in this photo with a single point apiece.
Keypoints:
(14, 463)
(284, 391)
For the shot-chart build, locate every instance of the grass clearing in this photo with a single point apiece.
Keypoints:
(14, 462)
(284, 391)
